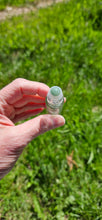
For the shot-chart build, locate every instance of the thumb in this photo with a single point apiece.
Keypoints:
(36, 126)
(13, 139)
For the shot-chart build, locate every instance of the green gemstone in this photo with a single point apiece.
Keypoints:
(55, 91)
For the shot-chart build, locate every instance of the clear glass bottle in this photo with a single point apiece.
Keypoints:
(54, 100)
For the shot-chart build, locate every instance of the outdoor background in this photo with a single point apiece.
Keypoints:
(57, 45)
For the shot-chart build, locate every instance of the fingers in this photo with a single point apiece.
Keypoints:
(29, 98)
(30, 109)
(19, 87)
(39, 125)
(64, 99)
(29, 106)
(27, 114)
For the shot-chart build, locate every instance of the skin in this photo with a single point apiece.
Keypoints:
(20, 100)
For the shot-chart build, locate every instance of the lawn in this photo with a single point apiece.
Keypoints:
(60, 45)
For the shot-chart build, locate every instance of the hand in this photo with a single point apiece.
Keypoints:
(19, 100)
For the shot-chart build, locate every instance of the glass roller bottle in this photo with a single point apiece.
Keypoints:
(54, 100)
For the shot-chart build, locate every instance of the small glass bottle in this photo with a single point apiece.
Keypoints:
(54, 100)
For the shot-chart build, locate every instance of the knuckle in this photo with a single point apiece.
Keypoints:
(18, 81)
(44, 126)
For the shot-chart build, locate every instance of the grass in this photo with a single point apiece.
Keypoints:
(60, 45)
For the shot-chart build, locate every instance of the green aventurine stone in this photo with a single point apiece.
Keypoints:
(55, 91)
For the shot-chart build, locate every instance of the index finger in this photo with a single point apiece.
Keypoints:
(19, 87)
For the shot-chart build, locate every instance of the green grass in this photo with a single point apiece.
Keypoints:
(60, 45)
